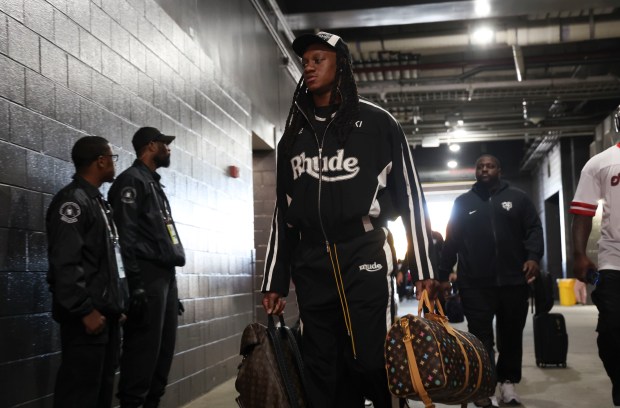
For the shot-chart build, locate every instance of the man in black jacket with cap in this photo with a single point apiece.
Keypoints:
(151, 251)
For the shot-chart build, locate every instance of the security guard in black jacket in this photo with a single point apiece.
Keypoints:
(85, 272)
(151, 250)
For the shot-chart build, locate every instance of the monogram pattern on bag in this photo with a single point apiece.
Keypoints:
(440, 361)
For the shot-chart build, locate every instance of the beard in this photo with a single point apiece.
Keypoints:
(162, 160)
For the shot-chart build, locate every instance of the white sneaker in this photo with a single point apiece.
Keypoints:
(368, 403)
(508, 394)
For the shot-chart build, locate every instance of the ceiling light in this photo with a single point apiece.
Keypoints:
(454, 147)
(482, 8)
(459, 132)
(452, 164)
(482, 35)
(430, 141)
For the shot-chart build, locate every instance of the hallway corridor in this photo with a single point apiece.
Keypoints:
(583, 384)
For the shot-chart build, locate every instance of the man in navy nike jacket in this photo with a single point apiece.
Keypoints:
(496, 233)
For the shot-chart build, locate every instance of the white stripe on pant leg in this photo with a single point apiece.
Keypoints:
(390, 267)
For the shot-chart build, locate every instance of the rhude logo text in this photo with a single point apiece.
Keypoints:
(373, 267)
(335, 168)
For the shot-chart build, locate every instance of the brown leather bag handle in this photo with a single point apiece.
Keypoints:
(441, 318)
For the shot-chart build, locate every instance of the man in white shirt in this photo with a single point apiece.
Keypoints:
(600, 182)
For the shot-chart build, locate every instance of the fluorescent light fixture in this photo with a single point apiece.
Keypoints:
(452, 164)
(459, 132)
(482, 8)
(430, 141)
(482, 35)
(454, 147)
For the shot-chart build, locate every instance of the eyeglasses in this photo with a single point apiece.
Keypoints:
(114, 157)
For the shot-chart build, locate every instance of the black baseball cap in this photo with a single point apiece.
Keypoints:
(146, 135)
(302, 42)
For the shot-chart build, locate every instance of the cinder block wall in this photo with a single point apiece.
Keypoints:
(264, 205)
(69, 68)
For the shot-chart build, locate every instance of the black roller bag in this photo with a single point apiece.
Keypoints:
(271, 374)
(550, 340)
(550, 336)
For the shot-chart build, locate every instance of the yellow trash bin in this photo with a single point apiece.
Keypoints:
(566, 288)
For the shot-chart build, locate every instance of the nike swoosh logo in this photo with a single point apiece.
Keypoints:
(471, 212)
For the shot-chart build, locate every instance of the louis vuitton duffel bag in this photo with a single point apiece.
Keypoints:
(429, 360)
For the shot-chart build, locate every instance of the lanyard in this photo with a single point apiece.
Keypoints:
(164, 209)
(113, 235)
(109, 223)
(165, 214)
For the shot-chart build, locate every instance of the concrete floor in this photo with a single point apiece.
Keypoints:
(583, 384)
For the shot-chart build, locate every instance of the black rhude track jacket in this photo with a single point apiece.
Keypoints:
(365, 182)
(493, 236)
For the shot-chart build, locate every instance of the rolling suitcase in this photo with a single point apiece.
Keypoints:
(550, 340)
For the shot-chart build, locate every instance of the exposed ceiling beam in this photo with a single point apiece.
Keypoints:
(496, 135)
(433, 13)
(385, 88)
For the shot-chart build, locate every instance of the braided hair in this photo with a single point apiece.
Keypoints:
(344, 88)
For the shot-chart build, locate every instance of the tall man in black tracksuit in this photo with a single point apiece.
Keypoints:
(85, 278)
(496, 233)
(343, 170)
(151, 250)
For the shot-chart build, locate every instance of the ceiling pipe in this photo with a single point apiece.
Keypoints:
(517, 54)
(289, 61)
(416, 140)
(434, 13)
(384, 88)
(382, 74)
(521, 36)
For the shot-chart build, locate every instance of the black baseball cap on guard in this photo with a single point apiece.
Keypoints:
(146, 135)
(302, 42)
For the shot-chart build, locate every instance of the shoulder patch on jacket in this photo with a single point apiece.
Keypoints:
(128, 195)
(69, 212)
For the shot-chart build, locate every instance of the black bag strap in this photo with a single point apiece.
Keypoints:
(272, 331)
(298, 360)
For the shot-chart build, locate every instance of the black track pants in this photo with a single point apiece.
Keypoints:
(509, 305)
(336, 378)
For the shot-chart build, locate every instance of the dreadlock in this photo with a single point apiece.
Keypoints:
(348, 111)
